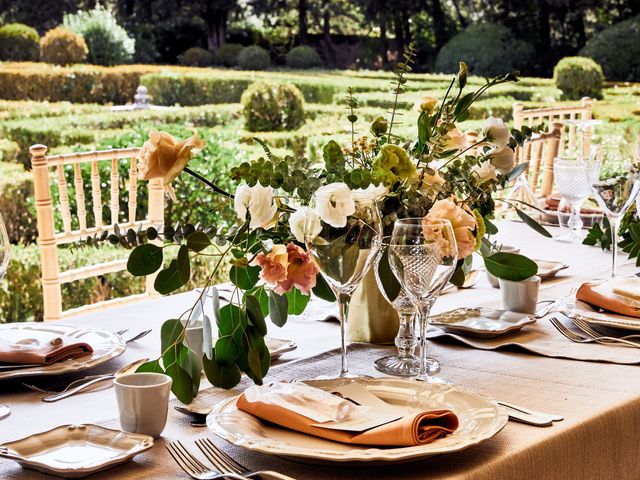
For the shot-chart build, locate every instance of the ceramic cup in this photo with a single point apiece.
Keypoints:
(520, 296)
(143, 402)
(503, 248)
(193, 337)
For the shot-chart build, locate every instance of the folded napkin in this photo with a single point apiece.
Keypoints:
(27, 346)
(620, 295)
(413, 429)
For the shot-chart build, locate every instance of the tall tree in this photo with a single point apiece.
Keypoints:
(216, 15)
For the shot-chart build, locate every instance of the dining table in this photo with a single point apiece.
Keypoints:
(599, 437)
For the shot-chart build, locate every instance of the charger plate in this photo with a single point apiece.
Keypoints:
(574, 308)
(481, 322)
(106, 345)
(75, 451)
(480, 419)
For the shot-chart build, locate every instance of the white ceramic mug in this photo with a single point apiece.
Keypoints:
(520, 296)
(143, 402)
(193, 337)
(493, 280)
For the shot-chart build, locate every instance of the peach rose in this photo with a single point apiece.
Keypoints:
(457, 140)
(302, 271)
(162, 157)
(274, 264)
(462, 220)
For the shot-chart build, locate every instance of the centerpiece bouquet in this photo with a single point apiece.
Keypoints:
(441, 173)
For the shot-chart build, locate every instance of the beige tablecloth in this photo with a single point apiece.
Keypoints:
(600, 401)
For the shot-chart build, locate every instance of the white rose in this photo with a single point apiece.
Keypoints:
(334, 203)
(371, 192)
(502, 159)
(496, 131)
(258, 202)
(485, 172)
(303, 220)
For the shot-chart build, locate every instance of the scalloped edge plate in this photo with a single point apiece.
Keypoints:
(481, 322)
(574, 308)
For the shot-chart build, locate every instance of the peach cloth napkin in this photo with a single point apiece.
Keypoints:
(411, 430)
(609, 297)
(26, 346)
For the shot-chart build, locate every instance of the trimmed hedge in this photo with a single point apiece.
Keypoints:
(19, 42)
(254, 57)
(196, 57)
(269, 107)
(303, 57)
(61, 46)
(17, 203)
(578, 77)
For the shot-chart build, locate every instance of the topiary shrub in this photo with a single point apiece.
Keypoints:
(272, 107)
(488, 49)
(19, 43)
(578, 77)
(254, 58)
(196, 57)
(61, 46)
(616, 50)
(227, 54)
(109, 43)
(303, 57)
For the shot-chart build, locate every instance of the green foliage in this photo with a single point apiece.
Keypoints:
(227, 54)
(510, 266)
(254, 58)
(19, 43)
(272, 107)
(193, 89)
(196, 57)
(17, 205)
(108, 43)
(303, 57)
(488, 49)
(616, 50)
(61, 46)
(578, 77)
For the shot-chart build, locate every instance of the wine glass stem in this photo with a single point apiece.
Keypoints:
(615, 227)
(423, 315)
(406, 339)
(575, 221)
(343, 303)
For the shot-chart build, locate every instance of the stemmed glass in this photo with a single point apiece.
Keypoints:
(423, 255)
(573, 178)
(615, 194)
(4, 263)
(344, 253)
(405, 364)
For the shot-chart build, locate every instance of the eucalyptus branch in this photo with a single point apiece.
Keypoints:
(437, 117)
(462, 152)
(212, 185)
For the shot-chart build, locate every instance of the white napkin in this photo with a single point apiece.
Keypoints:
(314, 403)
(625, 290)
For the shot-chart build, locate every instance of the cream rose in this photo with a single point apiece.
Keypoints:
(484, 172)
(258, 201)
(303, 220)
(425, 104)
(496, 132)
(162, 157)
(502, 159)
(334, 203)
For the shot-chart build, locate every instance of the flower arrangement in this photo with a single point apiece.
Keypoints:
(442, 173)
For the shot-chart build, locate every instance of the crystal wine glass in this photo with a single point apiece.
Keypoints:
(423, 255)
(574, 177)
(405, 363)
(616, 193)
(343, 252)
(4, 263)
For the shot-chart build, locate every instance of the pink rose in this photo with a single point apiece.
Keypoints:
(462, 220)
(274, 265)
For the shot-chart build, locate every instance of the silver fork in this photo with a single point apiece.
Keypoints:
(223, 461)
(194, 467)
(589, 330)
(142, 334)
(574, 337)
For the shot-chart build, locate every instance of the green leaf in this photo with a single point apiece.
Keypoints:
(323, 290)
(182, 386)
(463, 104)
(171, 333)
(256, 347)
(278, 308)
(297, 302)
(244, 277)
(254, 311)
(207, 337)
(390, 283)
(517, 171)
(260, 294)
(221, 376)
(458, 276)
(198, 241)
(144, 260)
(152, 367)
(193, 365)
(226, 350)
(510, 266)
(168, 280)
(184, 268)
(490, 227)
(532, 223)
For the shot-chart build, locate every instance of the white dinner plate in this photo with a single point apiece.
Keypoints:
(75, 451)
(278, 347)
(481, 322)
(548, 269)
(106, 345)
(574, 308)
(480, 419)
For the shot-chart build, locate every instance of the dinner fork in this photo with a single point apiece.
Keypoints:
(194, 467)
(223, 461)
(589, 330)
(574, 337)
